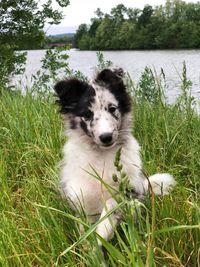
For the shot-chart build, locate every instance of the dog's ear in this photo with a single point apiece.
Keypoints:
(110, 76)
(69, 92)
(114, 81)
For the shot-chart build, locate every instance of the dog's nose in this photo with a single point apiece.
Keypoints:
(106, 138)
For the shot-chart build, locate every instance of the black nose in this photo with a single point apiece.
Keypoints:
(106, 138)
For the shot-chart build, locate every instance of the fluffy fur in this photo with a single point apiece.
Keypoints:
(97, 116)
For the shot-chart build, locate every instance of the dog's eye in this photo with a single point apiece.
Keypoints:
(112, 108)
(88, 115)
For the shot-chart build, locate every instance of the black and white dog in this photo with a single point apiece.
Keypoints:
(97, 116)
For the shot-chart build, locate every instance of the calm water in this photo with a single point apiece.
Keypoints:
(134, 62)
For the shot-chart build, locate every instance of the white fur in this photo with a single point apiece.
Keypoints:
(160, 183)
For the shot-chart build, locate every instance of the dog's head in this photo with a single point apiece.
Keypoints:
(95, 108)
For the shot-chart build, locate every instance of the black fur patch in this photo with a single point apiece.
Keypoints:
(73, 124)
(74, 96)
(114, 82)
(84, 127)
(85, 102)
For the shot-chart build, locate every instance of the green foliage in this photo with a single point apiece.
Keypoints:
(10, 63)
(54, 66)
(53, 63)
(121, 177)
(148, 89)
(21, 26)
(102, 63)
(186, 102)
(82, 30)
(173, 25)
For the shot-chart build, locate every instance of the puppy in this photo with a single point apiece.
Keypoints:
(97, 117)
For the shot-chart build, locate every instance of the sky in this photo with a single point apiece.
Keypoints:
(81, 11)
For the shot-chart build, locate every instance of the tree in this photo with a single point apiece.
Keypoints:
(133, 14)
(104, 34)
(125, 34)
(145, 17)
(21, 25)
(94, 25)
(99, 14)
(118, 13)
(174, 25)
(82, 30)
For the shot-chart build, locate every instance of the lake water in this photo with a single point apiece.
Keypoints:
(134, 62)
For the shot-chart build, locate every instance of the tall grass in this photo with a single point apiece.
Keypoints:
(37, 227)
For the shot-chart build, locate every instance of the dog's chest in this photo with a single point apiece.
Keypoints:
(88, 167)
(84, 170)
(82, 175)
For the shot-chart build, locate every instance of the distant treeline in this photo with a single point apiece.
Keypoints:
(66, 40)
(176, 25)
(49, 41)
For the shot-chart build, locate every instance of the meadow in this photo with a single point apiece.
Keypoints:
(37, 227)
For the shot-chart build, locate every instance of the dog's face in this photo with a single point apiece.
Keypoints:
(97, 108)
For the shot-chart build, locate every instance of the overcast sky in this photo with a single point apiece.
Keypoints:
(81, 11)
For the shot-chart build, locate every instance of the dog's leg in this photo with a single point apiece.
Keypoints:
(105, 228)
